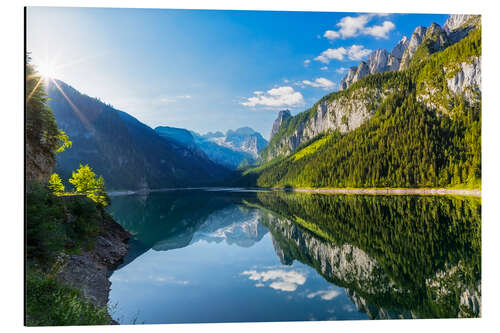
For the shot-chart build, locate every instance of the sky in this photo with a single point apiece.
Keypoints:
(208, 70)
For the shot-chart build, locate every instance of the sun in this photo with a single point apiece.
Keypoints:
(46, 70)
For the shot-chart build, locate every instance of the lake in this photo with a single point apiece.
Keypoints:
(233, 255)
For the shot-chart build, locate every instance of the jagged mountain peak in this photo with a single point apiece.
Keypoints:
(400, 47)
(282, 115)
(437, 37)
(456, 21)
(377, 61)
(346, 112)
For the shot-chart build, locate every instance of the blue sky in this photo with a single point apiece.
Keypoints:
(208, 70)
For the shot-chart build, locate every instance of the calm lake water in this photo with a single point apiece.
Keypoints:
(222, 255)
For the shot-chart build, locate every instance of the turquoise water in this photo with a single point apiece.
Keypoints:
(199, 256)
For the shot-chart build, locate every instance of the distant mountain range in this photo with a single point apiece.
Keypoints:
(233, 149)
(127, 153)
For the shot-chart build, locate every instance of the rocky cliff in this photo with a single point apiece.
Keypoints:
(455, 28)
(346, 112)
(89, 269)
(378, 61)
(39, 164)
(282, 116)
(463, 80)
(416, 39)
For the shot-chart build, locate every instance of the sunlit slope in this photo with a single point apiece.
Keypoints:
(422, 129)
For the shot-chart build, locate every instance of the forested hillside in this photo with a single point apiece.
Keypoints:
(419, 127)
(127, 153)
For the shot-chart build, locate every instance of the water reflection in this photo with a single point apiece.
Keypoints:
(218, 256)
(417, 256)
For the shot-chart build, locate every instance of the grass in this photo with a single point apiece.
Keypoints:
(55, 226)
(311, 149)
(51, 303)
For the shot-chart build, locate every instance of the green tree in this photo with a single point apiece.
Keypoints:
(41, 128)
(100, 195)
(86, 182)
(55, 184)
(63, 141)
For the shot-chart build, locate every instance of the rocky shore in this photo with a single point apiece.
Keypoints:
(89, 270)
(392, 191)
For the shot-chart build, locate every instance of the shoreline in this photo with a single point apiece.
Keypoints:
(370, 191)
(391, 191)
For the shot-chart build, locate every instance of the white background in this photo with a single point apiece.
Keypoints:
(12, 193)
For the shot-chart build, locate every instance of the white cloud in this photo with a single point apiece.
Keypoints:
(307, 62)
(258, 92)
(276, 98)
(354, 52)
(352, 26)
(280, 279)
(320, 82)
(380, 31)
(330, 34)
(357, 52)
(326, 295)
(330, 54)
(324, 68)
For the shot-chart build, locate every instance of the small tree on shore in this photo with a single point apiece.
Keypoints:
(55, 184)
(86, 182)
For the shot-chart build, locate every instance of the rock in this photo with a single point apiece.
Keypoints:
(39, 164)
(343, 114)
(348, 79)
(362, 71)
(89, 270)
(378, 60)
(456, 21)
(458, 26)
(437, 38)
(467, 80)
(416, 39)
(398, 50)
(282, 115)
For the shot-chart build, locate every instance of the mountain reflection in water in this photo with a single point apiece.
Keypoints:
(273, 256)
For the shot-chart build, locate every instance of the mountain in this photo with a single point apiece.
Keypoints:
(232, 150)
(127, 153)
(433, 38)
(419, 126)
(282, 115)
(243, 139)
(179, 135)
(222, 155)
(379, 61)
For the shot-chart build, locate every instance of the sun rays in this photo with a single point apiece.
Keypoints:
(46, 71)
